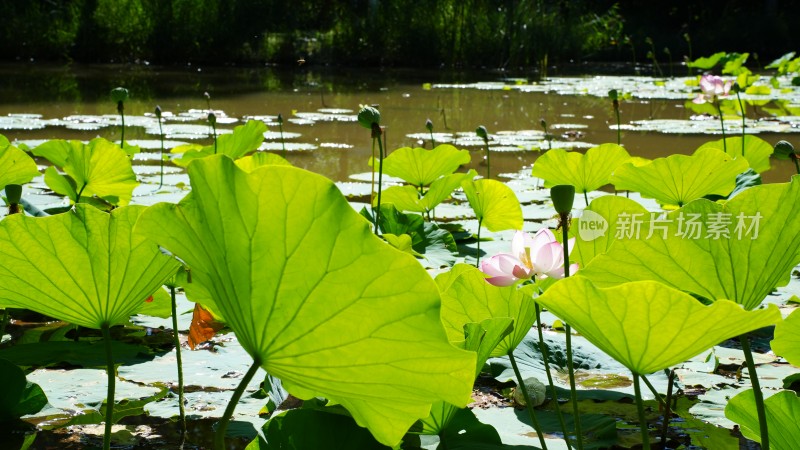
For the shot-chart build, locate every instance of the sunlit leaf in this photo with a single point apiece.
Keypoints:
(470, 298)
(787, 338)
(679, 179)
(407, 198)
(596, 229)
(495, 204)
(83, 266)
(291, 267)
(586, 172)
(738, 251)
(648, 326)
(421, 167)
(244, 139)
(252, 162)
(99, 168)
(16, 167)
(783, 418)
(707, 62)
(756, 150)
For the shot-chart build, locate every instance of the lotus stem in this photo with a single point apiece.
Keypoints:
(741, 108)
(283, 141)
(722, 126)
(527, 397)
(570, 365)
(619, 132)
(3, 324)
(586, 198)
(372, 191)
(488, 159)
(122, 130)
(553, 392)
(478, 254)
(376, 131)
(751, 369)
(667, 413)
(161, 135)
(222, 425)
(640, 407)
(433, 142)
(654, 391)
(112, 378)
(796, 163)
(80, 192)
(176, 336)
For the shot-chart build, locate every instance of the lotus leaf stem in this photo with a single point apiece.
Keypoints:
(161, 135)
(80, 192)
(796, 163)
(112, 378)
(759, 397)
(642, 419)
(654, 391)
(741, 108)
(545, 358)
(222, 425)
(570, 365)
(528, 403)
(478, 253)
(380, 173)
(176, 336)
(722, 126)
(619, 132)
(667, 414)
(283, 141)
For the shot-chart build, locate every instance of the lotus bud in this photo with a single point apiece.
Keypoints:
(212, 119)
(119, 94)
(280, 119)
(563, 196)
(368, 117)
(613, 94)
(543, 123)
(429, 125)
(482, 133)
(158, 112)
(784, 150)
(13, 193)
(736, 88)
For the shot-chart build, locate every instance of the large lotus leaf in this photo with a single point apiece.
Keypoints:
(470, 298)
(312, 429)
(495, 204)
(251, 162)
(694, 249)
(646, 325)
(99, 168)
(756, 150)
(16, 167)
(312, 294)
(406, 198)
(596, 229)
(421, 167)
(244, 139)
(84, 266)
(787, 338)
(783, 418)
(586, 172)
(679, 179)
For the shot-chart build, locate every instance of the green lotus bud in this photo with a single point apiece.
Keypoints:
(13, 193)
(563, 196)
(482, 133)
(280, 119)
(119, 94)
(537, 392)
(613, 94)
(158, 112)
(736, 88)
(429, 125)
(212, 119)
(783, 150)
(368, 116)
(543, 123)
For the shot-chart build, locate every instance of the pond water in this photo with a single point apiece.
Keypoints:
(335, 146)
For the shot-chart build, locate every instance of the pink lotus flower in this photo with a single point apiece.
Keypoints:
(712, 87)
(538, 256)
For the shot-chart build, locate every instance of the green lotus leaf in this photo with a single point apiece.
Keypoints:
(83, 266)
(421, 167)
(20, 397)
(470, 298)
(495, 204)
(244, 139)
(99, 168)
(707, 62)
(16, 167)
(256, 160)
(679, 179)
(586, 172)
(406, 198)
(787, 338)
(756, 150)
(738, 251)
(595, 230)
(312, 295)
(648, 326)
(306, 429)
(783, 418)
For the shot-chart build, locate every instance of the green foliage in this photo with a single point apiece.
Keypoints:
(495, 204)
(679, 179)
(407, 198)
(756, 150)
(586, 172)
(646, 325)
(16, 167)
(787, 338)
(284, 259)
(244, 139)
(19, 396)
(83, 266)
(420, 167)
(783, 417)
(734, 263)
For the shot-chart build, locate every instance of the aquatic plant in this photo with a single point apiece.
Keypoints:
(483, 134)
(785, 150)
(540, 256)
(614, 96)
(495, 205)
(712, 88)
(119, 95)
(369, 117)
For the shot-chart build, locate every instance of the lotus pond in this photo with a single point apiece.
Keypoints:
(626, 247)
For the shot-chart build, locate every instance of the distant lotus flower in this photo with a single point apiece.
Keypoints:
(712, 87)
(538, 256)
